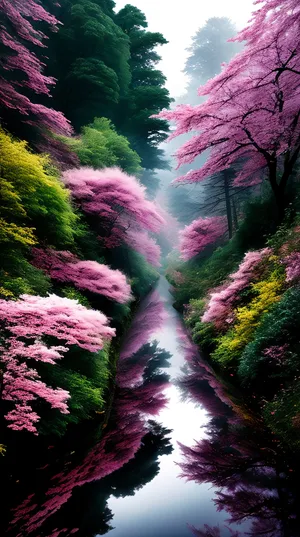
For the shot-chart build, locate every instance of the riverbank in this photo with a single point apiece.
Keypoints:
(243, 312)
(134, 462)
(170, 416)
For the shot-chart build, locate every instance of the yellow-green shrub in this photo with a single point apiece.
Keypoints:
(247, 318)
(31, 196)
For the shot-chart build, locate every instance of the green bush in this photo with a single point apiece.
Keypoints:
(278, 327)
(85, 376)
(100, 146)
(282, 415)
(203, 334)
(204, 274)
(210, 270)
(17, 276)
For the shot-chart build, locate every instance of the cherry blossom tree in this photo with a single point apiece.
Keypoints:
(26, 322)
(200, 233)
(222, 299)
(134, 402)
(18, 38)
(252, 111)
(292, 270)
(144, 244)
(86, 275)
(118, 203)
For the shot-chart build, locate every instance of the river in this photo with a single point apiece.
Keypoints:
(177, 457)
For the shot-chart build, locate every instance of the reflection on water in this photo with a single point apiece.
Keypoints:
(255, 486)
(128, 484)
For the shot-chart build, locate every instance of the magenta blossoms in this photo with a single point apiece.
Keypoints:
(251, 115)
(118, 202)
(292, 263)
(18, 37)
(29, 320)
(63, 318)
(145, 245)
(223, 298)
(86, 275)
(199, 234)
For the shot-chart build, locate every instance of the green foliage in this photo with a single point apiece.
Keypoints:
(32, 195)
(282, 415)
(34, 206)
(247, 318)
(203, 334)
(209, 271)
(86, 377)
(286, 240)
(147, 94)
(84, 402)
(142, 275)
(259, 222)
(100, 146)
(279, 327)
(204, 274)
(18, 276)
(105, 64)
(10, 233)
(89, 57)
(74, 294)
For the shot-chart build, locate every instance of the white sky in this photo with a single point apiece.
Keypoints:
(178, 20)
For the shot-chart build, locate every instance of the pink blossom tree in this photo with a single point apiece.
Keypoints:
(86, 275)
(292, 270)
(222, 299)
(136, 399)
(118, 203)
(251, 115)
(18, 37)
(144, 244)
(200, 233)
(26, 322)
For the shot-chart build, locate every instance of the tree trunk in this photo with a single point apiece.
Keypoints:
(235, 216)
(226, 175)
(279, 194)
(278, 190)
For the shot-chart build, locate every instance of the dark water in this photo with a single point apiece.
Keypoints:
(171, 417)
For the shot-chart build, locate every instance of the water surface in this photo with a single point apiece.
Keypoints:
(177, 456)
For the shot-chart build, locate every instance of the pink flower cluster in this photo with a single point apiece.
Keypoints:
(276, 352)
(87, 275)
(176, 276)
(292, 263)
(223, 298)
(28, 320)
(119, 203)
(199, 234)
(18, 36)
(136, 399)
(251, 114)
(142, 243)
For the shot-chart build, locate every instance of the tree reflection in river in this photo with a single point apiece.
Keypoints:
(131, 436)
(234, 464)
(256, 486)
